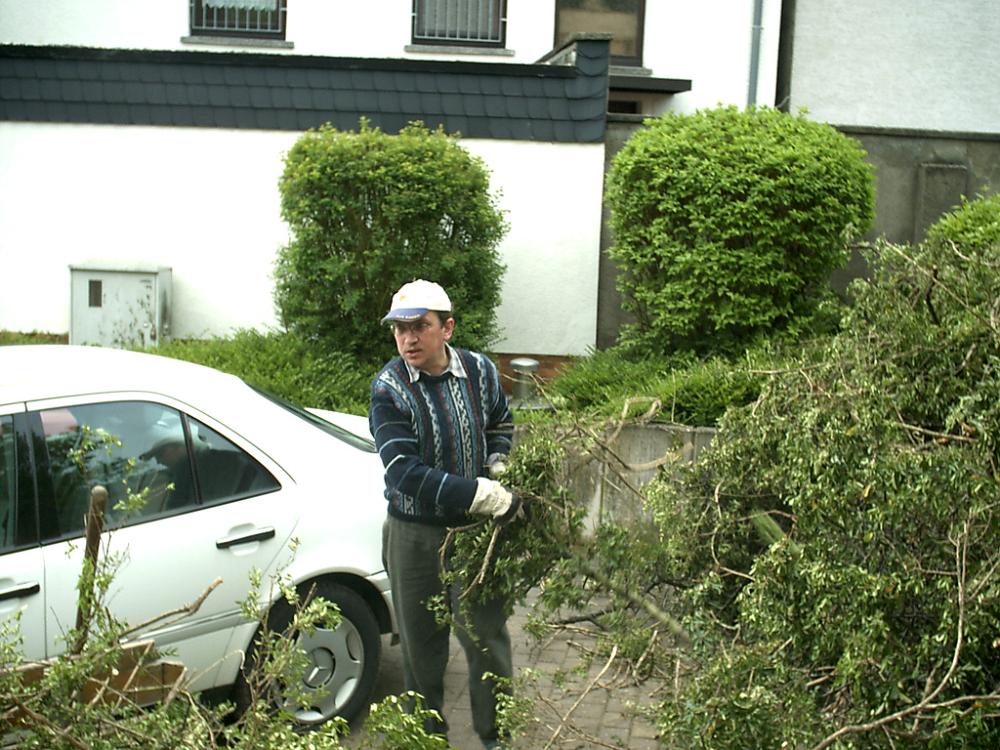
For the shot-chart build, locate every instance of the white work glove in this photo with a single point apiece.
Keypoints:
(492, 498)
(496, 465)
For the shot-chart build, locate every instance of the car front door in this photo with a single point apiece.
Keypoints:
(22, 573)
(212, 509)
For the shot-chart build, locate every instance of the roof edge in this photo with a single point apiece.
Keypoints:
(649, 85)
(59, 52)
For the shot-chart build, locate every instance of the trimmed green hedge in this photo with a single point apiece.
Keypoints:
(284, 364)
(728, 223)
(368, 212)
(691, 391)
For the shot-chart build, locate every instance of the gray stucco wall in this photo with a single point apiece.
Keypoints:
(919, 176)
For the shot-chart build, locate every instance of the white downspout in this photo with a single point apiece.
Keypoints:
(755, 34)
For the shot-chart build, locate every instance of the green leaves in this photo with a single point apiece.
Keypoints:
(287, 364)
(876, 456)
(727, 224)
(689, 391)
(368, 212)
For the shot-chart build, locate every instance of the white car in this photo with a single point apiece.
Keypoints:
(233, 476)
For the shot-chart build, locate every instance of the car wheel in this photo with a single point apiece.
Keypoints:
(342, 662)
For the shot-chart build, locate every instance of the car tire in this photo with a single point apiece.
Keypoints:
(344, 659)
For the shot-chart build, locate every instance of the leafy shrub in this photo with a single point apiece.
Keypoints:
(700, 394)
(869, 611)
(727, 225)
(369, 212)
(605, 377)
(690, 391)
(827, 574)
(284, 364)
(974, 226)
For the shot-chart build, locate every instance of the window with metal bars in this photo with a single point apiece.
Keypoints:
(246, 18)
(477, 23)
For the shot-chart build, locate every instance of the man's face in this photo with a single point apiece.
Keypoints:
(421, 342)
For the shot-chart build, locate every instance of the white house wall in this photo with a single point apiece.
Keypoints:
(920, 64)
(552, 249)
(166, 198)
(155, 196)
(709, 42)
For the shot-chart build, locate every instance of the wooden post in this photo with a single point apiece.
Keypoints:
(95, 525)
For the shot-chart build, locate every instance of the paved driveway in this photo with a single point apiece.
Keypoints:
(602, 714)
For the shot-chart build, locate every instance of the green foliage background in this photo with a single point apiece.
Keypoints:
(874, 463)
(370, 211)
(727, 224)
(690, 391)
(285, 364)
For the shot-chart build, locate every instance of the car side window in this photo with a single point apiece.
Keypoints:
(133, 448)
(140, 449)
(224, 470)
(8, 472)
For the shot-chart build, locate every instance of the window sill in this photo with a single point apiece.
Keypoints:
(456, 49)
(237, 41)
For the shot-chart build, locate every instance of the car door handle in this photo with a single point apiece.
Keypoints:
(19, 590)
(257, 535)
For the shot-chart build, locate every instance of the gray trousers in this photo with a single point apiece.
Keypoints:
(411, 552)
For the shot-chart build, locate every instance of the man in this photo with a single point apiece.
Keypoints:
(441, 422)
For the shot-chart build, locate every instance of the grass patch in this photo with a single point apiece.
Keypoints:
(9, 338)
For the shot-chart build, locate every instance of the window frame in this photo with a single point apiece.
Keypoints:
(197, 10)
(631, 61)
(24, 501)
(427, 41)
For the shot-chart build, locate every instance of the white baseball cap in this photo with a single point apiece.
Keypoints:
(415, 299)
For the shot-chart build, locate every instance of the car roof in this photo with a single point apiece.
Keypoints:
(35, 372)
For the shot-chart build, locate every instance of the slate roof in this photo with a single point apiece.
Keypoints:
(539, 102)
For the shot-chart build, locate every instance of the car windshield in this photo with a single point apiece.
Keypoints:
(359, 442)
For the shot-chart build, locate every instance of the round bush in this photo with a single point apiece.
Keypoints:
(370, 211)
(974, 226)
(727, 224)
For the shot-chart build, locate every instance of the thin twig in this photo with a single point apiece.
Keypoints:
(673, 625)
(579, 700)
(185, 611)
(487, 559)
(932, 433)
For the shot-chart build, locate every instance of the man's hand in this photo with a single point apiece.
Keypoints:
(492, 498)
(514, 512)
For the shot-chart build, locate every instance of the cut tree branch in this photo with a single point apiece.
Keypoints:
(927, 703)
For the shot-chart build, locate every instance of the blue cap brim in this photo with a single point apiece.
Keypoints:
(406, 314)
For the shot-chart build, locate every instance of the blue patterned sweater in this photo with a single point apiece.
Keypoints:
(435, 434)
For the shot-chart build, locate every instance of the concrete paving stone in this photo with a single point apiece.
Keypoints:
(613, 720)
(603, 713)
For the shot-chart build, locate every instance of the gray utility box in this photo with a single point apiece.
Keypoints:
(119, 307)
